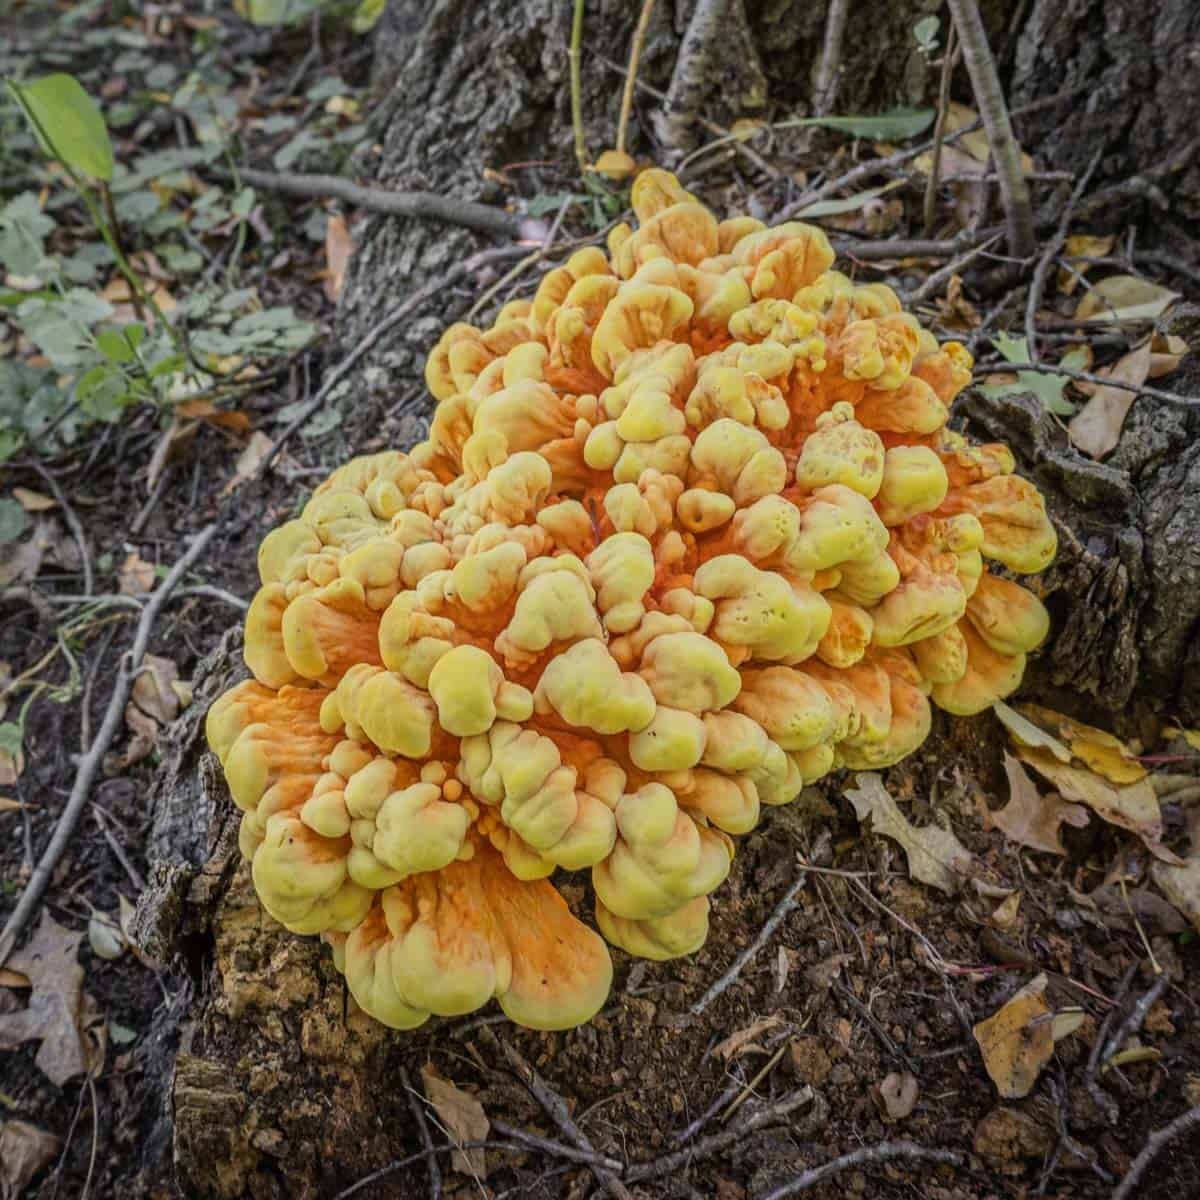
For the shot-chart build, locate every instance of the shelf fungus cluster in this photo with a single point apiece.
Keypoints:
(689, 531)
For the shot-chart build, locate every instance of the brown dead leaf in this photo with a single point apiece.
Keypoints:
(1031, 819)
(896, 1096)
(339, 246)
(135, 576)
(13, 979)
(463, 1118)
(20, 563)
(1181, 883)
(1133, 806)
(1096, 428)
(741, 1041)
(257, 449)
(1166, 353)
(56, 1013)
(11, 767)
(205, 410)
(935, 855)
(24, 1151)
(820, 976)
(33, 501)
(153, 703)
(1017, 1041)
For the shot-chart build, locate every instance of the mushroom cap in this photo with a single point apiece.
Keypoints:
(688, 532)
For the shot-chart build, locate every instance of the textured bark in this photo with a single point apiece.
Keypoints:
(1137, 64)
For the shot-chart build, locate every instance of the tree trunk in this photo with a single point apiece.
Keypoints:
(271, 1092)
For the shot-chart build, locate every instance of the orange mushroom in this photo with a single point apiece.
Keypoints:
(688, 532)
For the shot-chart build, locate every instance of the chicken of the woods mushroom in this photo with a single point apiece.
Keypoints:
(688, 532)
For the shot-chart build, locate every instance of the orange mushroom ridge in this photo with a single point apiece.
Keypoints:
(689, 531)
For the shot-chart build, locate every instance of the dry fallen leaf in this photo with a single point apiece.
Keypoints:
(153, 703)
(1024, 731)
(56, 1015)
(463, 1118)
(13, 979)
(935, 855)
(1096, 428)
(740, 1041)
(1167, 351)
(1017, 1041)
(1004, 916)
(339, 246)
(1181, 884)
(1098, 749)
(257, 449)
(33, 501)
(1081, 245)
(1133, 806)
(896, 1095)
(1031, 819)
(1125, 298)
(104, 937)
(135, 576)
(24, 1151)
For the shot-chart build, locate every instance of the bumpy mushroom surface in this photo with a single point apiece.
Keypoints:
(689, 531)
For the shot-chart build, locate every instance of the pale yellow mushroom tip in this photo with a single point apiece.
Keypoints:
(689, 531)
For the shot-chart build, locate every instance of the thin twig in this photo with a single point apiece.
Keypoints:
(1050, 252)
(1133, 1022)
(72, 524)
(425, 205)
(761, 1117)
(635, 57)
(558, 1149)
(989, 95)
(1153, 1148)
(89, 765)
(418, 1114)
(135, 876)
(870, 1018)
(776, 919)
(574, 55)
(829, 68)
(949, 58)
(862, 250)
(1102, 1100)
(867, 1156)
(748, 1090)
(399, 1165)
(933, 283)
(1088, 377)
(556, 1109)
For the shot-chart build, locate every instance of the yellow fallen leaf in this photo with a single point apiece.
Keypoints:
(1191, 736)
(1017, 1041)
(1125, 298)
(935, 855)
(976, 142)
(1102, 751)
(342, 106)
(1005, 914)
(1166, 353)
(1081, 245)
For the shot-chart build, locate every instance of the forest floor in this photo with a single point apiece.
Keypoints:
(854, 1028)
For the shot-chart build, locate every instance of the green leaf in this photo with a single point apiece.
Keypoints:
(102, 392)
(67, 123)
(10, 733)
(900, 123)
(833, 208)
(13, 520)
(926, 31)
(366, 14)
(1047, 388)
(113, 346)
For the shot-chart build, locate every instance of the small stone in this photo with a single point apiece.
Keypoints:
(1007, 1135)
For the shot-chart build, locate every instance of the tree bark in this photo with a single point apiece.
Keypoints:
(263, 1088)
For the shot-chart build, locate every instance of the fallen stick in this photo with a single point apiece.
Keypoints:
(89, 765)
(776, 919)
(421, 205)
(1153, 1148)
(867, 1156)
